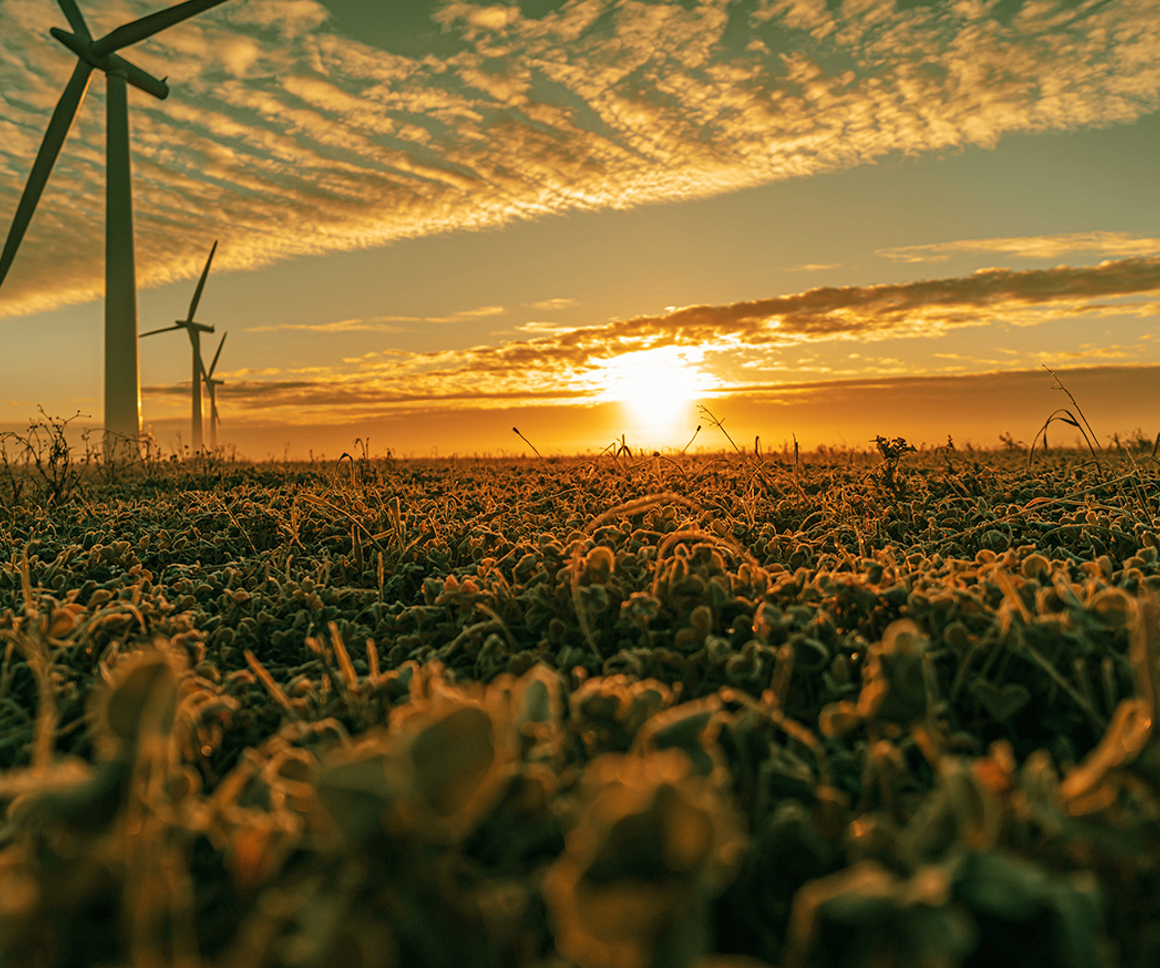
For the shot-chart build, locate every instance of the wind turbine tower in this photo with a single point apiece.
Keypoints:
(194, 330)
(211, 385)
(122, 377)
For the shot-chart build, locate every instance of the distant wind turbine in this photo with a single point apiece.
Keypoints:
(211, 385)
(122, 378)
(194, 330)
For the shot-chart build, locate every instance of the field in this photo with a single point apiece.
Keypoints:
(857, 709)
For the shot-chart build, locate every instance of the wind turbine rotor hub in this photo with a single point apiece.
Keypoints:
(190, 324)
(111, 64)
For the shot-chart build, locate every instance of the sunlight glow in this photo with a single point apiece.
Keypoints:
(657, 388)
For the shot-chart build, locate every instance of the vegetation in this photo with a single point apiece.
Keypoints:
(846, 708)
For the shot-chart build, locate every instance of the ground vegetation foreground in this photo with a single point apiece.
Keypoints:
(891, 709)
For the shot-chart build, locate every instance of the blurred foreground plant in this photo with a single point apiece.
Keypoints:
(651, 844)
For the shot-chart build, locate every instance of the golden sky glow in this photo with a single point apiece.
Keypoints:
(449, 206)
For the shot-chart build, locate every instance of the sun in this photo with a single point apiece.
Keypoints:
(657, 389)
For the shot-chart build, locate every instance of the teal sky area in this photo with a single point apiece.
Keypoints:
(821, 220)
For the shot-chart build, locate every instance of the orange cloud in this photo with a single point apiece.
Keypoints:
(382, 324)
(1032, 247)
(560, 302)
(921, 308)
(566, 366)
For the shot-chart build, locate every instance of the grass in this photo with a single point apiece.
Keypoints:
(811, 709)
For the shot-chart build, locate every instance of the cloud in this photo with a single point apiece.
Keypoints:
(1087, 353)
(381, 324)
(1032, 247)
(482, 312)
(923, 308)
(339, 400)
(776, 335)
(291, 18)
(375, 324)
(991, 388)
(548, 305)
(536, 326)
(286, 136)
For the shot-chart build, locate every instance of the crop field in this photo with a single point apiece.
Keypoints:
(732, 711)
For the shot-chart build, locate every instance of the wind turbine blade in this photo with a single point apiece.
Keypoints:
(62, 116)
(154, 332)
(213, 365)
(75, 20)
(201, 284)
(138, 30)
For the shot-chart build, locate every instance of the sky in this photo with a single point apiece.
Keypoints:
(437, 220)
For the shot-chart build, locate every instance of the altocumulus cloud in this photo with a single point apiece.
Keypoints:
(570, 361)
(382, 324)
(1031, 247)
(286, 137)
(910, 309)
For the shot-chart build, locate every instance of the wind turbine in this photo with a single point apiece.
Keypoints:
(211, 385)
(122, 377)
(194, 330)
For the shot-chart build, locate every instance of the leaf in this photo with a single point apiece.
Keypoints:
(1001, 703)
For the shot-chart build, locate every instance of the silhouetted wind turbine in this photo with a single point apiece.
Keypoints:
(194, 330)
(122, 379)
(211, 385)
